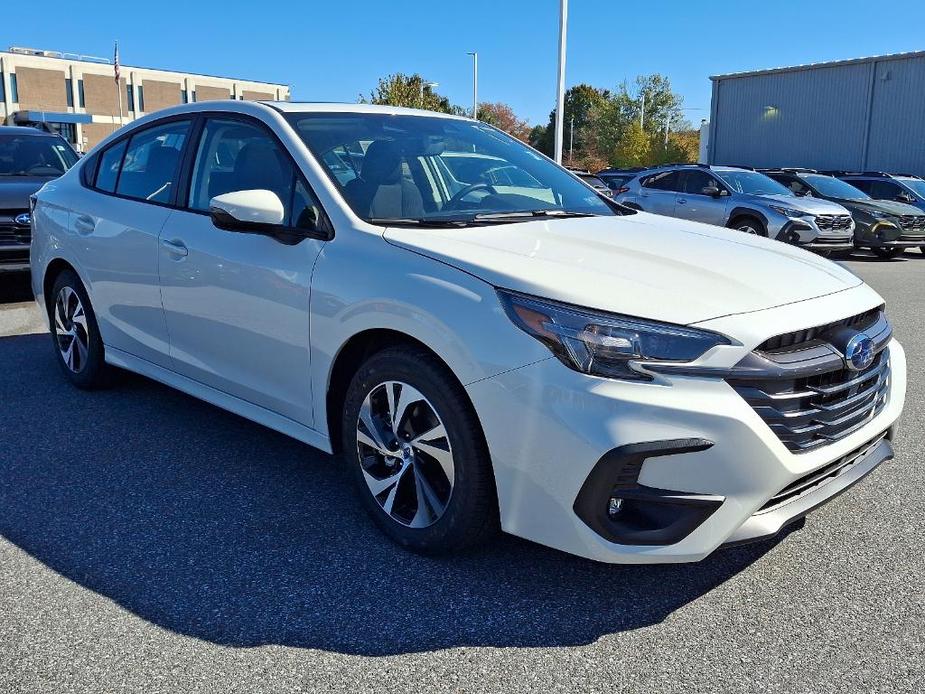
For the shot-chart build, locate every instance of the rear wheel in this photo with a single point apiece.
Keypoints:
(75, 333)
(417, 453)
(887, 253)
(748, 225)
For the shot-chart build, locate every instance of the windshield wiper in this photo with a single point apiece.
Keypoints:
(435, 223)
(530, 214)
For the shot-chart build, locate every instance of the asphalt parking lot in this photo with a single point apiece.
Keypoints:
(152, 543)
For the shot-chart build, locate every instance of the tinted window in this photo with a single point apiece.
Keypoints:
(882, 190)
(152, 162)
(110, 161)
(792, 183)
(667, 180)
(615, 182)
(696, 181)
(833, 187)
(234, 155)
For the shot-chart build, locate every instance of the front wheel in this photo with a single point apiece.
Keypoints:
(749, 225)
(887, 253)
(417, 453)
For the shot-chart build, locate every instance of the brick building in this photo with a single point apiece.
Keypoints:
(78, 97)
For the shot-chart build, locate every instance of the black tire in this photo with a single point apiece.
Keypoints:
(88, 369)
(749, 225)
(887, 253)
(471, 513)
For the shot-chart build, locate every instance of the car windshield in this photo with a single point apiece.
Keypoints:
(831, 187)
(614, 182)
(433, 171)
(593, 181)
(752, 183)
(915, 184)
(34, 155)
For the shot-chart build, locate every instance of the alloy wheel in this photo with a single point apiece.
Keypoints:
(405, 454)
(71, 330)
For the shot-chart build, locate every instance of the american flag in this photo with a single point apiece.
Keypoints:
(115, 63)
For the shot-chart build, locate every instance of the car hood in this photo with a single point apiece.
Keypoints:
(804, 204)
(641, 265)
(15, 190)
(888, 206)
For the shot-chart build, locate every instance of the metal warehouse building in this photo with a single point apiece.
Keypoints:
(861, 115)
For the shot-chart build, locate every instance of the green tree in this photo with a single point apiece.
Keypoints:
(582, 102)
(409, 91)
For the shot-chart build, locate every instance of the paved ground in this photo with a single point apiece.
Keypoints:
(152, 543)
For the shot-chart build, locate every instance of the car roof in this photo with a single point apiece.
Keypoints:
(332, 107)
(25, 130)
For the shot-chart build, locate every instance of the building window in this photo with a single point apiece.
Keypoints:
(184, 97)
(69, 91)
(80, 93)
(194, 96)
(130, 96)
(2, 93)
(14, 89)
(141, 98)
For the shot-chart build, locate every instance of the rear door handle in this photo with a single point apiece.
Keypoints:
(84, 224)
(175, 247)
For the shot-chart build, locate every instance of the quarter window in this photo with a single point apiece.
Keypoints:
(152, 160)
(234, 155)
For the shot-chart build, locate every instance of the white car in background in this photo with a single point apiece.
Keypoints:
(619, 385)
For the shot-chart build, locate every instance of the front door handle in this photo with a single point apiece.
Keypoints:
(175, 247)
(84, 224)
(682, 201)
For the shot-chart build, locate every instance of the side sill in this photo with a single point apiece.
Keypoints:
(240, 407)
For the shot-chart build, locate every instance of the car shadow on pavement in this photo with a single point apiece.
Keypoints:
(15, 287)
(208, 525)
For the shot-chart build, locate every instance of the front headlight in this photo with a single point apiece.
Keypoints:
(788, 211)
(878, 215)
(605, 344)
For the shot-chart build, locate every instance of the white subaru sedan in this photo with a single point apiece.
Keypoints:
(485, 340)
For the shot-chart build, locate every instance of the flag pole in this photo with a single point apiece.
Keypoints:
(116, 77)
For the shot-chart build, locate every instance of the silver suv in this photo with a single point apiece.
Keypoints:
(741, 199)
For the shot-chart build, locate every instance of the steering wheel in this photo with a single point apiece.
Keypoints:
(458, 198)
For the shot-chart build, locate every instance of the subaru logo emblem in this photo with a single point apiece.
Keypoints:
(23, 219)
(859, 352)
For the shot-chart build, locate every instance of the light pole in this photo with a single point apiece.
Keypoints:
(560, 93)
(475, 84)
(429, 85)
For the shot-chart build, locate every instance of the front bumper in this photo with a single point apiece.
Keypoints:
(548, 427)
(14, 257)
(804, 232)
(886, 235)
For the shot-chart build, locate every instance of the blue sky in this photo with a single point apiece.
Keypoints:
(332, 51)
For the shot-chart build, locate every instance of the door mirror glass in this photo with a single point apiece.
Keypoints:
(247, 210)
(711, 190)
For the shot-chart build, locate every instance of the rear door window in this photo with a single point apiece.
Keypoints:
(152, 162)
(108, 171)
(667, 180)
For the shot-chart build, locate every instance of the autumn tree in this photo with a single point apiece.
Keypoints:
(503, 117)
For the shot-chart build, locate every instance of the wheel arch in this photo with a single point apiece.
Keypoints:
(348, 359)
(53, 270)
(738, 213)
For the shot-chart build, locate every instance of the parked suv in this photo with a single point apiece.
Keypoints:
(740, 199)
(616, 179)
(906, 188)
(611, 383)
(887, 228)
(594, 181)
(29, 158)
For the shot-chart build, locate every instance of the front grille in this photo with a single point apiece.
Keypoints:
(912, 222)
(10, 232)
(812, 481)
(812, 411)
(833, 222)
(801, 337)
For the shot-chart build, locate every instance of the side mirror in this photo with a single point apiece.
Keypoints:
(713, 191)
(247, 210)
(905, 197)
